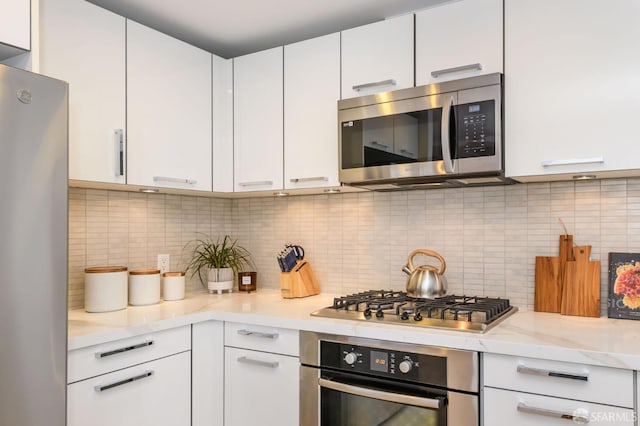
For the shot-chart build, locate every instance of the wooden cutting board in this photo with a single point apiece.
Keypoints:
(549, 277)
(581, 291)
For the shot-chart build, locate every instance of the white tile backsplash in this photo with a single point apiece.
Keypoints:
(489, 236)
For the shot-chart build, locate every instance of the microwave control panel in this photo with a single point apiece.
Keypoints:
(476, 129)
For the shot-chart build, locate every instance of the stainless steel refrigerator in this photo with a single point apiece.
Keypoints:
(33, 249)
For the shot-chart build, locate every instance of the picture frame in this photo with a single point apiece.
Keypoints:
(623, 300)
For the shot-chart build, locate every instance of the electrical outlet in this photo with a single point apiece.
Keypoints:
(163, 263)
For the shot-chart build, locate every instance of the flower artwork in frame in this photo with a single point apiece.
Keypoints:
(624, 286)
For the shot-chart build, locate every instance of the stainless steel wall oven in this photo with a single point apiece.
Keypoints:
(348, 381)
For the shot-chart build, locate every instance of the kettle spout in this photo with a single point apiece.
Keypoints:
(406, 269)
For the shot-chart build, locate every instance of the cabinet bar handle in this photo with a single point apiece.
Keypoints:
(124, 349)
(144, 375)
(438, 73)
(580, 419)
(405, 152)
(572, 161)
(540, 372)
(245, 332)
(270, 364)
(256, 183)
(118, 140)
(359, 87)
(174, 180)
(381, 395)
(380, 144)
(309, 179)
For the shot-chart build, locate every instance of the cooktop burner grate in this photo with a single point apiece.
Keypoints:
(472, 313)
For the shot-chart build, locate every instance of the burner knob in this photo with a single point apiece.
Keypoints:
(406, 366)
(417, 316)
(379, 313)
(351, 358)
(367, 313)
(404, 316)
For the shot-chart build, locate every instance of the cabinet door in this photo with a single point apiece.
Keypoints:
(15, 27)
(207, 356)
(378, 57)
(168, 111)
(257, 121)
(502, 407)
(571, 87)
(222, 123)
(311, 93)
(457, 40)
(261, 388)
(84, 45)
(154, 393)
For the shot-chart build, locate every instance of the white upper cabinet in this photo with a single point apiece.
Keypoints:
(15, 27)
(84, 45)
(571, 88)
(378, 57)
(222, 122)
(311, 93)
(168, 111)
(457, 40)
(257, 121)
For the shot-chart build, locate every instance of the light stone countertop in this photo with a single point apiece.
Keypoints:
(597, 341)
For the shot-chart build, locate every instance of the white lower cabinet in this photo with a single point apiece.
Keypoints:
(207, 389)
(261, 386)
(504, 407)
(155, 393)
(138, 381)
(529, 391)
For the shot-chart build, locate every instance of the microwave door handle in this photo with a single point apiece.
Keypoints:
(445, 131)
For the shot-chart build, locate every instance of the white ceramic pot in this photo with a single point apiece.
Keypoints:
(144, 287)
(105, 288)
(220, 279)
(173, 285)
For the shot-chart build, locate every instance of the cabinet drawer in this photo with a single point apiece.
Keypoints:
(266, 339)
(502, 407)
(261, 388)
(100, 359)
(153, 393)
(564, 379)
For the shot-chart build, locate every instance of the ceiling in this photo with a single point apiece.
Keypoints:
(231, 28)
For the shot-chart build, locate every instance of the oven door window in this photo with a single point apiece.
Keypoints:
(348, 400)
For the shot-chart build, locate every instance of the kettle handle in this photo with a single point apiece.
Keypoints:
(431, 253)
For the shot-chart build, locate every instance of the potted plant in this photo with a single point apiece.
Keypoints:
(218, 260)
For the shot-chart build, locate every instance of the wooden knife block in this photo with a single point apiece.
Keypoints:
(300, 282)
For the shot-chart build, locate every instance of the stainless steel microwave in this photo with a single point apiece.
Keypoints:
(445, 134)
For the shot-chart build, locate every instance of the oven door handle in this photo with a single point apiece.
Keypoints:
(384, 396)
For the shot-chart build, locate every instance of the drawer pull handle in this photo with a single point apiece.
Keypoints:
(381, 145)
(270, 364)
(438, 73)
(540, 372)
(359, 87)
(582, 418)
(244, 332)
(174, 180)
(144, 375)
(257, 183)
(125, 349)
(569, 162)
(309, 179)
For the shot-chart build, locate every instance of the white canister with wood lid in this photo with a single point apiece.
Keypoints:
(173, 285)
(105, 288)
(144, 287)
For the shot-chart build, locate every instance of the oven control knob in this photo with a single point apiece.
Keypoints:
(406, 366)
(351, 358)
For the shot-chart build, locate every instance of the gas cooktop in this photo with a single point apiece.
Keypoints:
(468, 313)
